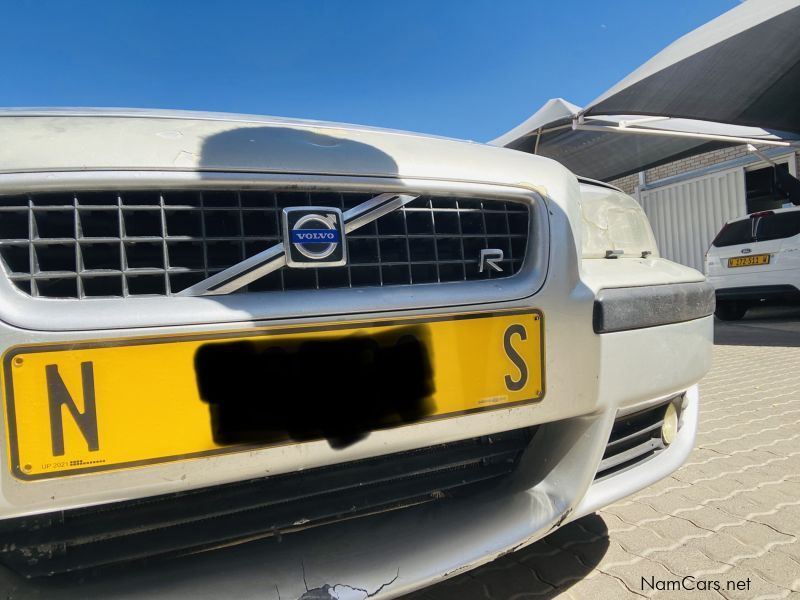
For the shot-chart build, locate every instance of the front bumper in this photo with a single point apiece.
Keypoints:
(408, 549)
(590, 377)
(397, 552)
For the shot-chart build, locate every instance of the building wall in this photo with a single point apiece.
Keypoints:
(684, 165)
(687, 215)
(629, 183)
(688, 200)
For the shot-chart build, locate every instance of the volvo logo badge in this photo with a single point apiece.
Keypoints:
(313, 236)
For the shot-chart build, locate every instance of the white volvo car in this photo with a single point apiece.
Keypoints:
(252, 357)
(754, 260)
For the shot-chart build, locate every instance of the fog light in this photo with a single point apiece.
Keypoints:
(670, 427)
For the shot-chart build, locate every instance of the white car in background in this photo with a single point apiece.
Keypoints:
(755, 259)
(266, 358)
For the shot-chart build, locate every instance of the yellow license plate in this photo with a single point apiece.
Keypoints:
(121, 403)
(749, 261)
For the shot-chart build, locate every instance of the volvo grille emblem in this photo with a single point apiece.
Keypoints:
(313, 236)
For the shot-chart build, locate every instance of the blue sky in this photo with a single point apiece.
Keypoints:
(470, 69)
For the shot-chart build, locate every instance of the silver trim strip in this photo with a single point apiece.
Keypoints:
(240, 274)
(373, 209)
(48, 314)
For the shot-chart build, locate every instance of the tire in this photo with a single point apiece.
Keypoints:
(730, 311)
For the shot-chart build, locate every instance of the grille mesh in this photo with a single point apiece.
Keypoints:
(119, 244)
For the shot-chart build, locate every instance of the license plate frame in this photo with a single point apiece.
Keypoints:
(513, 343)
(749, 261)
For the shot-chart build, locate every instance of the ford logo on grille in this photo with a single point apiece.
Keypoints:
(313, 236)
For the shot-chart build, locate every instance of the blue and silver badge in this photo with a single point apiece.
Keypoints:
(313, 236)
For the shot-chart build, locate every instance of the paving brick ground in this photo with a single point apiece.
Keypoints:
(731, 514)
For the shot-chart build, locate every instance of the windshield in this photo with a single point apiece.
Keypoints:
(760, 229)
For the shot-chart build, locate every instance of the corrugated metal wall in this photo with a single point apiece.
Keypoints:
(686, 216)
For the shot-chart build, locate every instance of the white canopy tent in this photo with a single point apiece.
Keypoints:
(741, 68)
(611, 146)
(734, 80)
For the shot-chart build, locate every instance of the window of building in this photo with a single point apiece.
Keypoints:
(761, 190)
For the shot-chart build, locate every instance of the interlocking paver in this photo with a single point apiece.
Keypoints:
(676, 528)
(589, 553)
(780, 569)
(633, 512)
(670, 504)
(701, 489)
(463, 588)
(759, 535)
(642, 576)
(731, 515)
(688, 561)
(711, 518)
(602, 587)
(507, 581)
(742, 583)
(723, 547)
(785, 517)
(640, 539)
(556, 569)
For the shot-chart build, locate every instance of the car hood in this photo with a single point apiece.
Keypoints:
(131, 139)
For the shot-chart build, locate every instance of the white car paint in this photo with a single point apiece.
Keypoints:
(746, 286)
(592, 379)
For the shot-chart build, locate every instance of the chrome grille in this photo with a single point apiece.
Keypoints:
(119, 244)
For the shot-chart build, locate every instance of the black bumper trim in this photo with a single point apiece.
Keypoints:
(759, 292)
(622, 309)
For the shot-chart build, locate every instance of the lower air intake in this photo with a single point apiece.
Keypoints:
(634, 438)
(175, 524)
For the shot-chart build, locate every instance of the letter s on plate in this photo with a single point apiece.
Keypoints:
(512, 384)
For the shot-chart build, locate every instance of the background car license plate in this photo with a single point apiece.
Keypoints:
(112, 404)
(749, 261)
